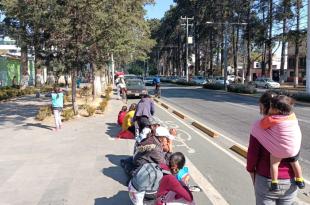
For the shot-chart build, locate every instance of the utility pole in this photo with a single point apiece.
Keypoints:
(187, 43)
(308, 53)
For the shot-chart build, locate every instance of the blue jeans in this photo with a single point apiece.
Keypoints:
(286, 196)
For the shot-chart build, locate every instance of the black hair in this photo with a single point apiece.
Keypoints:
(124, 108)
(283, 104)
(176, 162)
(132, 107)
(265, 101)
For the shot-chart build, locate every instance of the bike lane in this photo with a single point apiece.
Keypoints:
(221, 175)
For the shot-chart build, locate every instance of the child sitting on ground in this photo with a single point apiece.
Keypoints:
(121, 115)
(172, 191)
(283, 139)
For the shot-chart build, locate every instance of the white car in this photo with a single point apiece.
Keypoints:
(220, 80)
(231, 78)
(199, 80)
(266, 83)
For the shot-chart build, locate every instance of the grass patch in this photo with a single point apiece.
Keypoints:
(44, 112)
(68, 114)
(90, 110)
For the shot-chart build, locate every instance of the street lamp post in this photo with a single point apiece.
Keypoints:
(187, 42)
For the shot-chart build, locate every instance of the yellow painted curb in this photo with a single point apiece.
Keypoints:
(240, 150)
(164, 105)
(206, 130)
(178, 114)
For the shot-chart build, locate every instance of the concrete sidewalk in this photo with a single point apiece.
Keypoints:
(78, 165)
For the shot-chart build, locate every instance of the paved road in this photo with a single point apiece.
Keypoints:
(231, 114)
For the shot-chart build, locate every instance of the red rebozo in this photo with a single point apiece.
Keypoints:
(125, 135)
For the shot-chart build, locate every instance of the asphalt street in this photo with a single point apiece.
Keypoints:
(221, 177)
(230, 114)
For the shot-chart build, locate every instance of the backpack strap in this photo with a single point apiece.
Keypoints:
(165, 172)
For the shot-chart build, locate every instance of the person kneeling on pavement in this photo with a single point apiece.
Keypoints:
(163, 181)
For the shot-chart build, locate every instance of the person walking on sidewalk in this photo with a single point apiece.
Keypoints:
(57, 106)
(258, 165)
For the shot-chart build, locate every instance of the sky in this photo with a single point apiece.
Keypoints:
(158, 10)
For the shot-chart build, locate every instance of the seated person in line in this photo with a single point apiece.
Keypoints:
(171, 191)
(121, 115)
(129, 117)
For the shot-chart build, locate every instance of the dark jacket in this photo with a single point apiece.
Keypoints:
(148, 151)
(145, 108)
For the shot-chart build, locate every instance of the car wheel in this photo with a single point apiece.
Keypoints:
(267, 86)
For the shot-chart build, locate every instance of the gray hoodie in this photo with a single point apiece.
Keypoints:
(145, 108)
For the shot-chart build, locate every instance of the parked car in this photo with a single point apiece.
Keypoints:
(304, 81)
(231, 78)
(130, 76)
(135, 88)
(199, 80)
(266, 83)
(148, 81)
(181, 79)
(173, 79)
(220, 80)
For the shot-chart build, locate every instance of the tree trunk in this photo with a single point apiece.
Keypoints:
(93, 81)
(74, 103)
(235, 50)
(283, 52)
(211, 54)
(297, 43)
(270, 39)
(248, 39)
(24, 66)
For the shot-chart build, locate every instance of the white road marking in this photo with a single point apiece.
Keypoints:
(213, 195)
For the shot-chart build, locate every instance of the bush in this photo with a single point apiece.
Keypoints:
(186, 83)
(68, 114)
(303, 97)
(214, 86)
(46, 89)
(241, 88)
(44, 112)
(103, 105)
(90, 110)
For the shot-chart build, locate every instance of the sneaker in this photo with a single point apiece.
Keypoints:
(194, 188)
(274, 187)
(300, 184)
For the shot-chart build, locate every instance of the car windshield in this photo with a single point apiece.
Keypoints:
(269, 80)
(135, 83)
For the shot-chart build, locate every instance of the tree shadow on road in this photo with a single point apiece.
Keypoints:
(39, 125)
(112, 129)
(121, 198)
(18, 110)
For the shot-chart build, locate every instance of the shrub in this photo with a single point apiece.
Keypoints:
(46, 89)
(303, 97)
(44, 112)
(90, 110)
(186, 83)
(68, 114)
(241, 88)
(103, 105)
(214, 86)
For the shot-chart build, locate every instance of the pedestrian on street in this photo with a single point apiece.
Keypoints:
(258, 165)
(57, 106)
